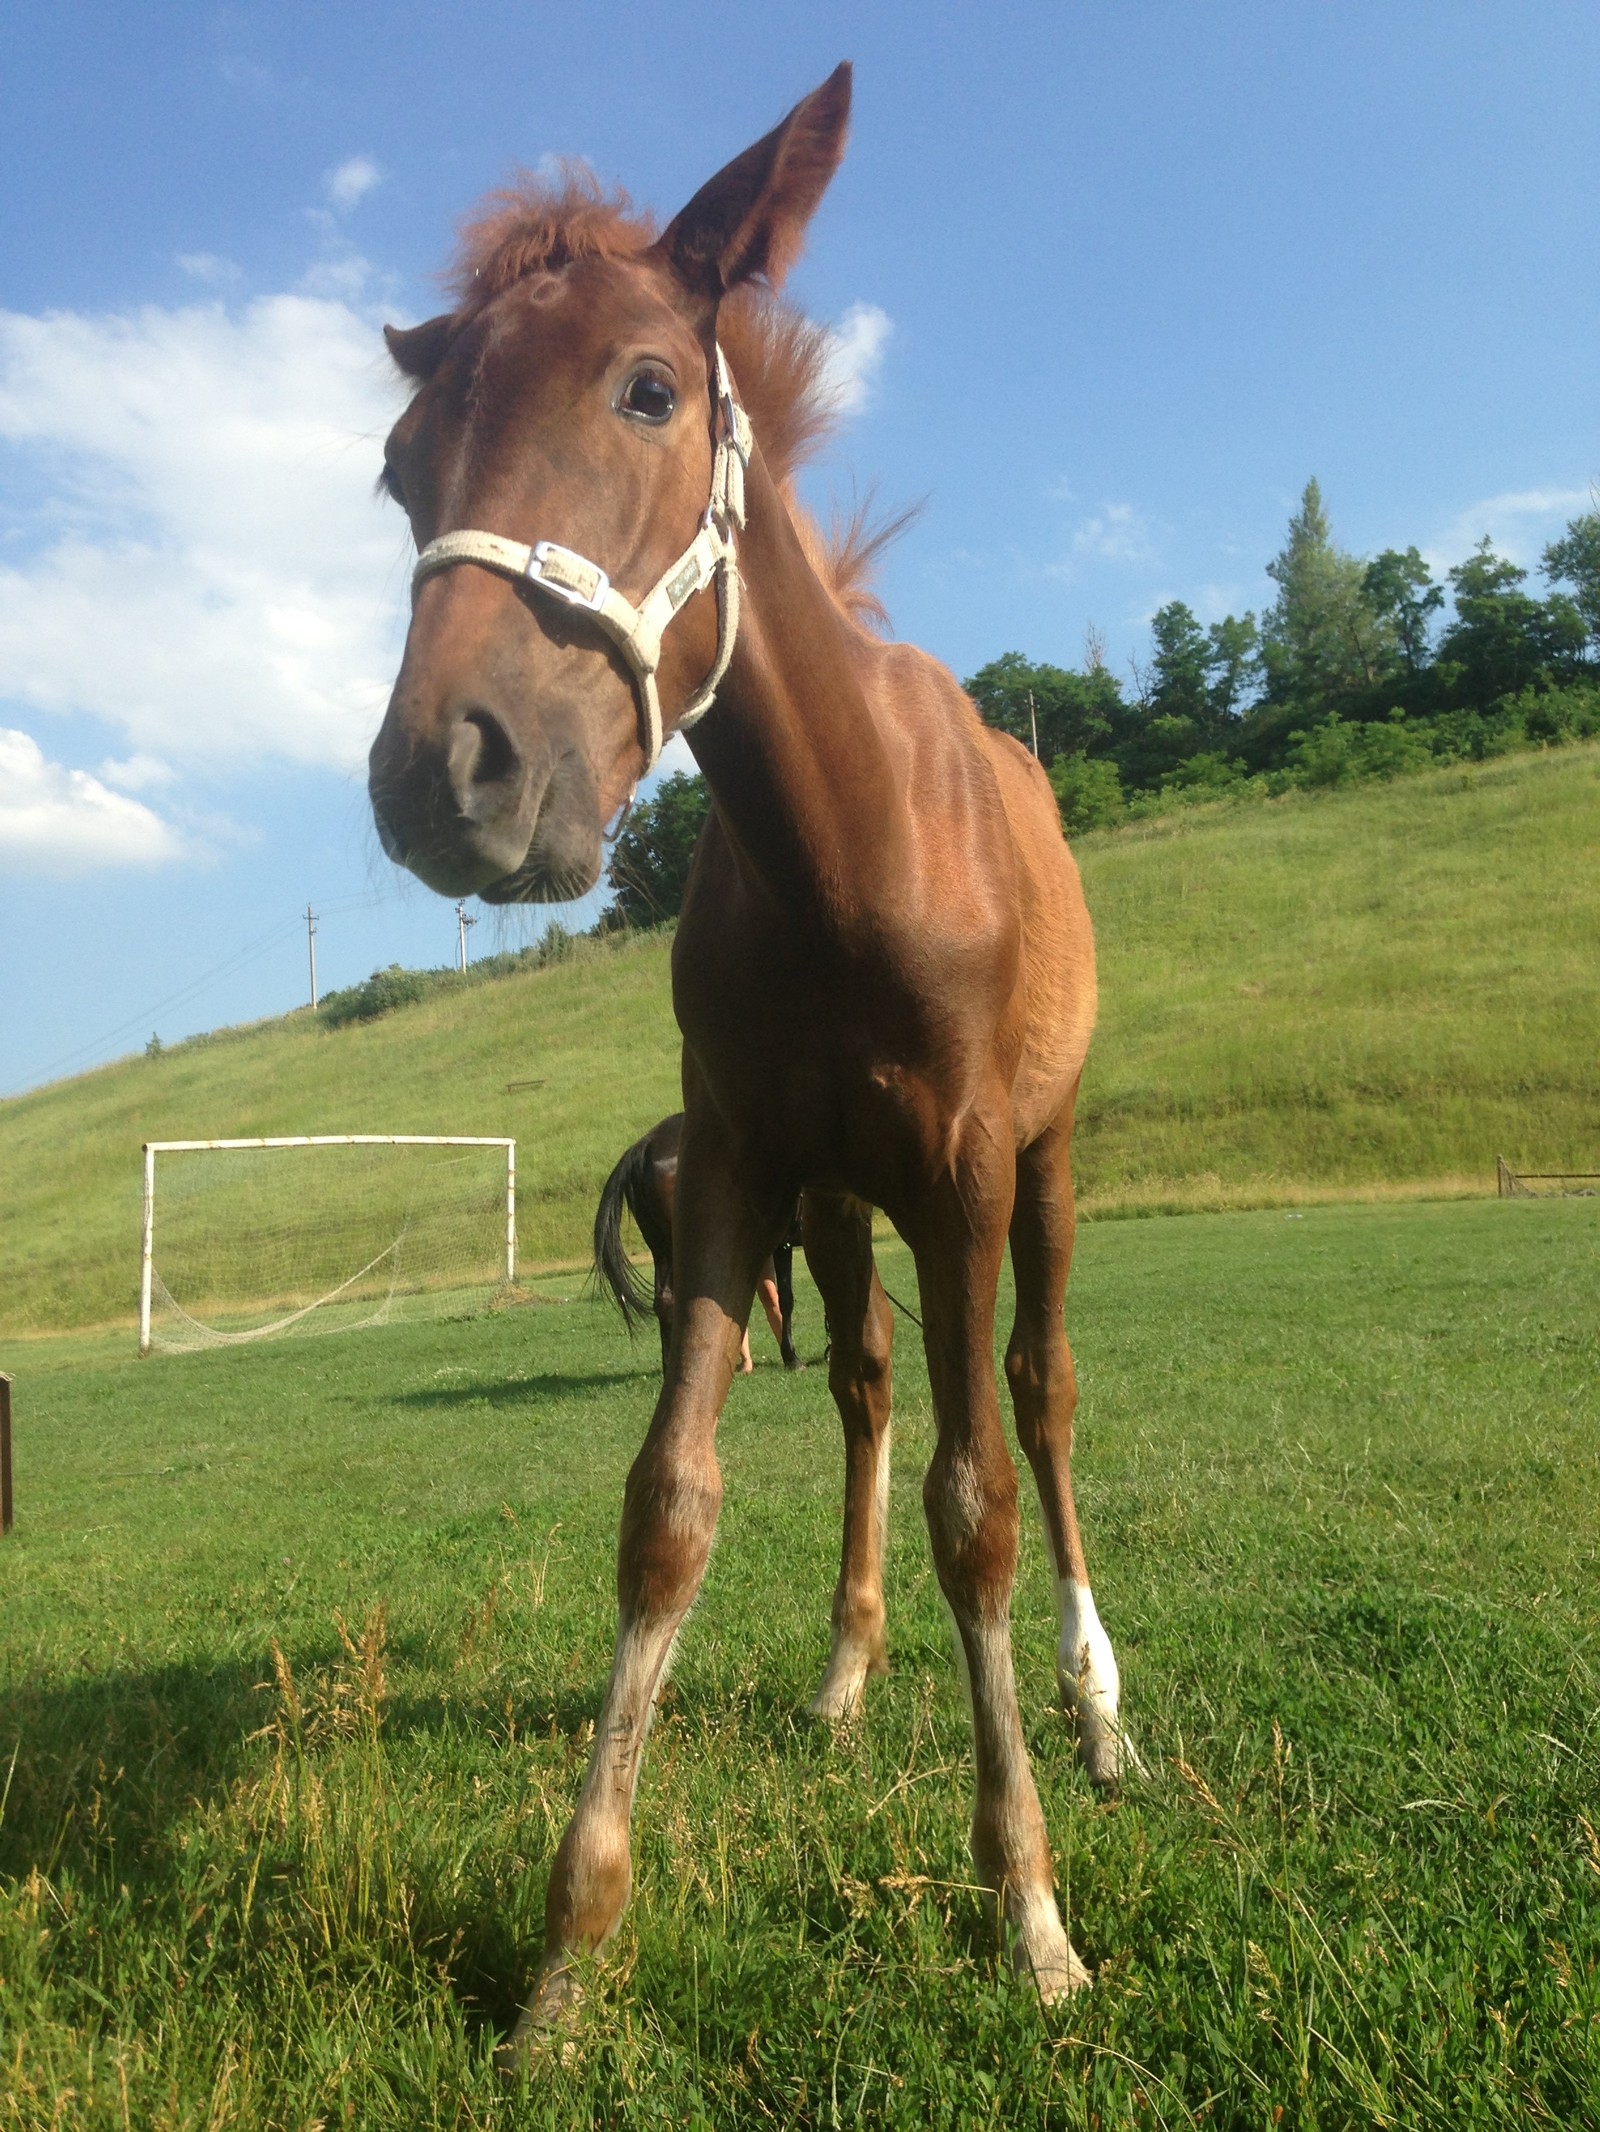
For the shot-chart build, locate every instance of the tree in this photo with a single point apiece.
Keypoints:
(1502, 638)
(1178, 674)
(1089, 793)
(1575, 560)
(1189, 697)
(1321, 640)
(1199, 674)
(1400, 590)
(1233, 658)
(649, 867)
(1073, 713)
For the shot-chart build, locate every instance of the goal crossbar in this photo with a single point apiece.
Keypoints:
(152, 1148)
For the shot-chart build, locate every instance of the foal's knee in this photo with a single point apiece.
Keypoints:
(669, 1515)
(858, 1369)
(1044, 1390)
(971, 1506)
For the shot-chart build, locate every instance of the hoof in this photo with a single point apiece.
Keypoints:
(545, 2023)
(1102, 1758)
(1038, 1946)
(844, 1685)
(1061, 1978)
(835, 1703)
(1105, 1753)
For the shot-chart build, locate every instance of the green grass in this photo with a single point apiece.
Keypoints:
(1365, 992)
(1338, 1473)
(1368, 992)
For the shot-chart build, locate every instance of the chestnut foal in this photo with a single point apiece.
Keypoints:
(884, 972)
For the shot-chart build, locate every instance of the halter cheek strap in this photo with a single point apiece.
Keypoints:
(710, 557)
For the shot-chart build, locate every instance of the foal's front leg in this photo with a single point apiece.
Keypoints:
(970, 1494)
(1044, 1395)
(669, 1514)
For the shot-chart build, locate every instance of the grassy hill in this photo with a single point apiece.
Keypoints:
(1360, 994)
(1374, 990)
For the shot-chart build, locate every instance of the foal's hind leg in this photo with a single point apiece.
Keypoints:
(1043, 1395)
(838, 1244)
(970, 1494)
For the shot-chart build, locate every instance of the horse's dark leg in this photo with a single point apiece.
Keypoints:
(958, 1234)
(663, 1307)
(783, 1275)
(668, 1518)
(654, 1216)
(1043, 1396)
(838, 1241)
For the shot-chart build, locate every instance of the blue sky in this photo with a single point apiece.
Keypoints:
(1109, 282)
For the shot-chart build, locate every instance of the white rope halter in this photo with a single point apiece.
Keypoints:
(637, 631)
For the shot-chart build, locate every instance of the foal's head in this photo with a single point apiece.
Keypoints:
(568, 398)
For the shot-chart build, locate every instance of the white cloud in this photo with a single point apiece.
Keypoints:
(209, 268)
(352, 181)
(341, 274)
(855, 355)
(1115, 534)
(1520, 523)
(138, 773)
(1214, 603)
(210, 573)
(54, 820)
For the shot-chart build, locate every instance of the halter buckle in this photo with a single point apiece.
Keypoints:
(736, 435)
(558, 570)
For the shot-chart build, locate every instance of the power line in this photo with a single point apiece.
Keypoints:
(238, 961)
(251, 952)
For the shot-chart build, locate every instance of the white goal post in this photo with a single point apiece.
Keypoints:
(153, 1148)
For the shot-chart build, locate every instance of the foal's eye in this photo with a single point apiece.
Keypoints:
(648, 395)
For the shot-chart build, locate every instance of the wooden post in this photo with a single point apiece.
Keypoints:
(6, 1506)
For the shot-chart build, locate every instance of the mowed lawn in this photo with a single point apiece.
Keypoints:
(302, 1646)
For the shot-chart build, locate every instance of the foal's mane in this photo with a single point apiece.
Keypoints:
(779, 356)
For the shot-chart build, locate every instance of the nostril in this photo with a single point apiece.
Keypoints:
(496, 758)
(486, 772)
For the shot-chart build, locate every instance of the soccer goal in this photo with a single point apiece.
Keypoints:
(255, 1239)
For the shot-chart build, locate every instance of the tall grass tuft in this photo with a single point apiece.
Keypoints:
(323, 1819)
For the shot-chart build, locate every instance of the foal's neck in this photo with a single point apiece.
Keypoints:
(792, 751)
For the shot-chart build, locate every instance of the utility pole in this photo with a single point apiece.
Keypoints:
(311, 950)
(1033, 720)
(462, 922)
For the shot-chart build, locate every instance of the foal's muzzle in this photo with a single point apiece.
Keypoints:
(470, 814)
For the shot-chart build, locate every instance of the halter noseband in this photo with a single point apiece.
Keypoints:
(637, 631)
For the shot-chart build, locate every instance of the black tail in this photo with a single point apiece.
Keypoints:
(615, 1272)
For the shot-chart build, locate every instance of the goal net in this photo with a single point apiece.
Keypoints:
(257, 1239)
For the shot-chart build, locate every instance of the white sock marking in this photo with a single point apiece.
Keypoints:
(1086, 1665)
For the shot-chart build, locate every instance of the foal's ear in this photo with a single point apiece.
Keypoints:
(419, 350)
(750, 219)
